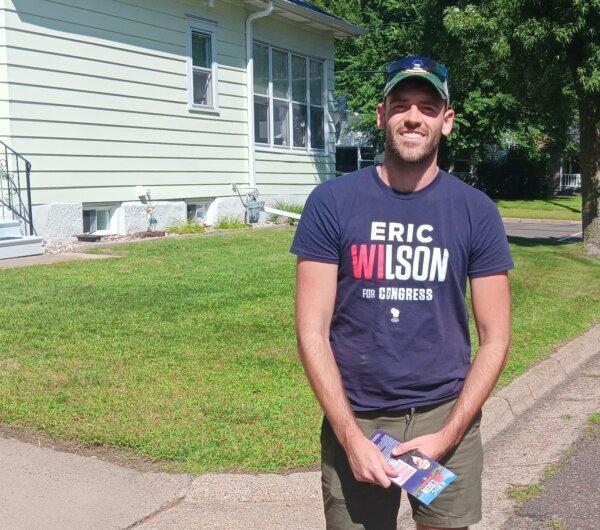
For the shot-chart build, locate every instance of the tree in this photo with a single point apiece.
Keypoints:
(521, 73)
(544, 41)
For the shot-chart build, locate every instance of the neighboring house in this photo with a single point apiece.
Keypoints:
(353, 148)
(111, 99)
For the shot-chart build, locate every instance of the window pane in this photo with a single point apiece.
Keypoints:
(200, 212)
(89, 217)
(261, 69)
(281, 123)
(261, 120)
(201, 55)
(191, 212)
(317, 136)
(298, 78)
(102, 218)
(316, 83)
(202, 88)
(280, 74)
(299, 125)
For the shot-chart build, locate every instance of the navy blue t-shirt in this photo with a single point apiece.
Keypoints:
(399, 330)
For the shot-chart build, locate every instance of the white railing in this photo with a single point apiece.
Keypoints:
(570, 180)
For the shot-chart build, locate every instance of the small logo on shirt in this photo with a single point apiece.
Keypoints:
(395, 314)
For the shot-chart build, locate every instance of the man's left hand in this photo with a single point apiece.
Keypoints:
(434, 445)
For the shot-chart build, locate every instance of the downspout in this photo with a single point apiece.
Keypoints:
(250, 89)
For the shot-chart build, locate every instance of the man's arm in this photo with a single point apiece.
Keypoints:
(490, 296)
(316, 285)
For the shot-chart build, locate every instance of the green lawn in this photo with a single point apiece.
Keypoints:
(560, 208)
(183, 349)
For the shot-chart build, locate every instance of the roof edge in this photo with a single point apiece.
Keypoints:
(341, 27)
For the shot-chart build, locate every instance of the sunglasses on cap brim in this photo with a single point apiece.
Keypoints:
(418, 64)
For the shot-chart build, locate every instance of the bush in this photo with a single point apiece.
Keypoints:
(291, 207)
(229, 223)
(520, 174)
(188, 227)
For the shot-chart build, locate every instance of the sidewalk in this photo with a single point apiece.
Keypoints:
(42, 488)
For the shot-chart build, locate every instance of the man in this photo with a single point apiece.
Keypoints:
(384, 254)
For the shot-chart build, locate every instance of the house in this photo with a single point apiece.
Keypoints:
(353, 148)
(117, 103)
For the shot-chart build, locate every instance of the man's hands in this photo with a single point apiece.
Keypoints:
(368, 463)
(434, 445)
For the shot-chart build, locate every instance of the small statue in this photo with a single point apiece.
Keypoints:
(152, 221)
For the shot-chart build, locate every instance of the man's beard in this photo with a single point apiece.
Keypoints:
(417, 155)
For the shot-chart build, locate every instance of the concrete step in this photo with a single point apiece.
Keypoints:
(10, 228)
(18, 246)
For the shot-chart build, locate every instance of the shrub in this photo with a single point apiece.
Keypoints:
(291, 207)
(188, 227)
(229, 223)
(521, 174)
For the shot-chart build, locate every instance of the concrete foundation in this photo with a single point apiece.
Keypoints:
(131, 216)
(225, 208)
(64, 220)
(58, 220)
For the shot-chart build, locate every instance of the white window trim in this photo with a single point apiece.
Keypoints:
(111, 218)
(271, 147)
(203, 203)
(204, 26)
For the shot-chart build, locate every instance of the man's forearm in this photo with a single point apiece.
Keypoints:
(326, 382)
(480, 381)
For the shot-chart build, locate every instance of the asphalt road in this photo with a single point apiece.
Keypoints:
(549, 230)
(570, 500)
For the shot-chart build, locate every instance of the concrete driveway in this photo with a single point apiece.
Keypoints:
(551, 230)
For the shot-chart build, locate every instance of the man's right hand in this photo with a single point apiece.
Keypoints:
(368, 463)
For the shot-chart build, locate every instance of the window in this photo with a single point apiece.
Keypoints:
(196, 211)
(201, 65)
(97, 220)
(289, 104)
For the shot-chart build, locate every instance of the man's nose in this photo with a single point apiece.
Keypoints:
(413, 115)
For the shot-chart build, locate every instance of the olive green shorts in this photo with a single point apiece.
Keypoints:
(353, 505)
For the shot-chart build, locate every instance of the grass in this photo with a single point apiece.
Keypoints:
(558, 208)
(555, 524)
(594, 419)
(188, 227)
(524, 493)
(183, 350)
(549, 307)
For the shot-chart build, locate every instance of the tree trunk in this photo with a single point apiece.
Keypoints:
(589, 124)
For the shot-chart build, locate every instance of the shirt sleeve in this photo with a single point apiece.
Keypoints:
(489, 253)
(318, 234)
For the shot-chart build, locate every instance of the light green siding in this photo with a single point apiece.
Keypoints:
(96, 93)
(297, 169)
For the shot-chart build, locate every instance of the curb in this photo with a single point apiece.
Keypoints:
(499, 412)
(502, 408)
(541, 221)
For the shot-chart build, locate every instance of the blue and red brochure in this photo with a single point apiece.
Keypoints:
(418, 474)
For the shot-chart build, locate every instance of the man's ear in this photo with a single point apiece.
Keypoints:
(380, 111)
(449, 115)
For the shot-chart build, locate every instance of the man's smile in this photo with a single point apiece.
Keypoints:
(412, 135)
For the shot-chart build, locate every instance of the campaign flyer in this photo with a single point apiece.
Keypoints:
(418, 474)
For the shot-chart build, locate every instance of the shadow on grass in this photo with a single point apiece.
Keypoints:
(542, 241)
(556, 202)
